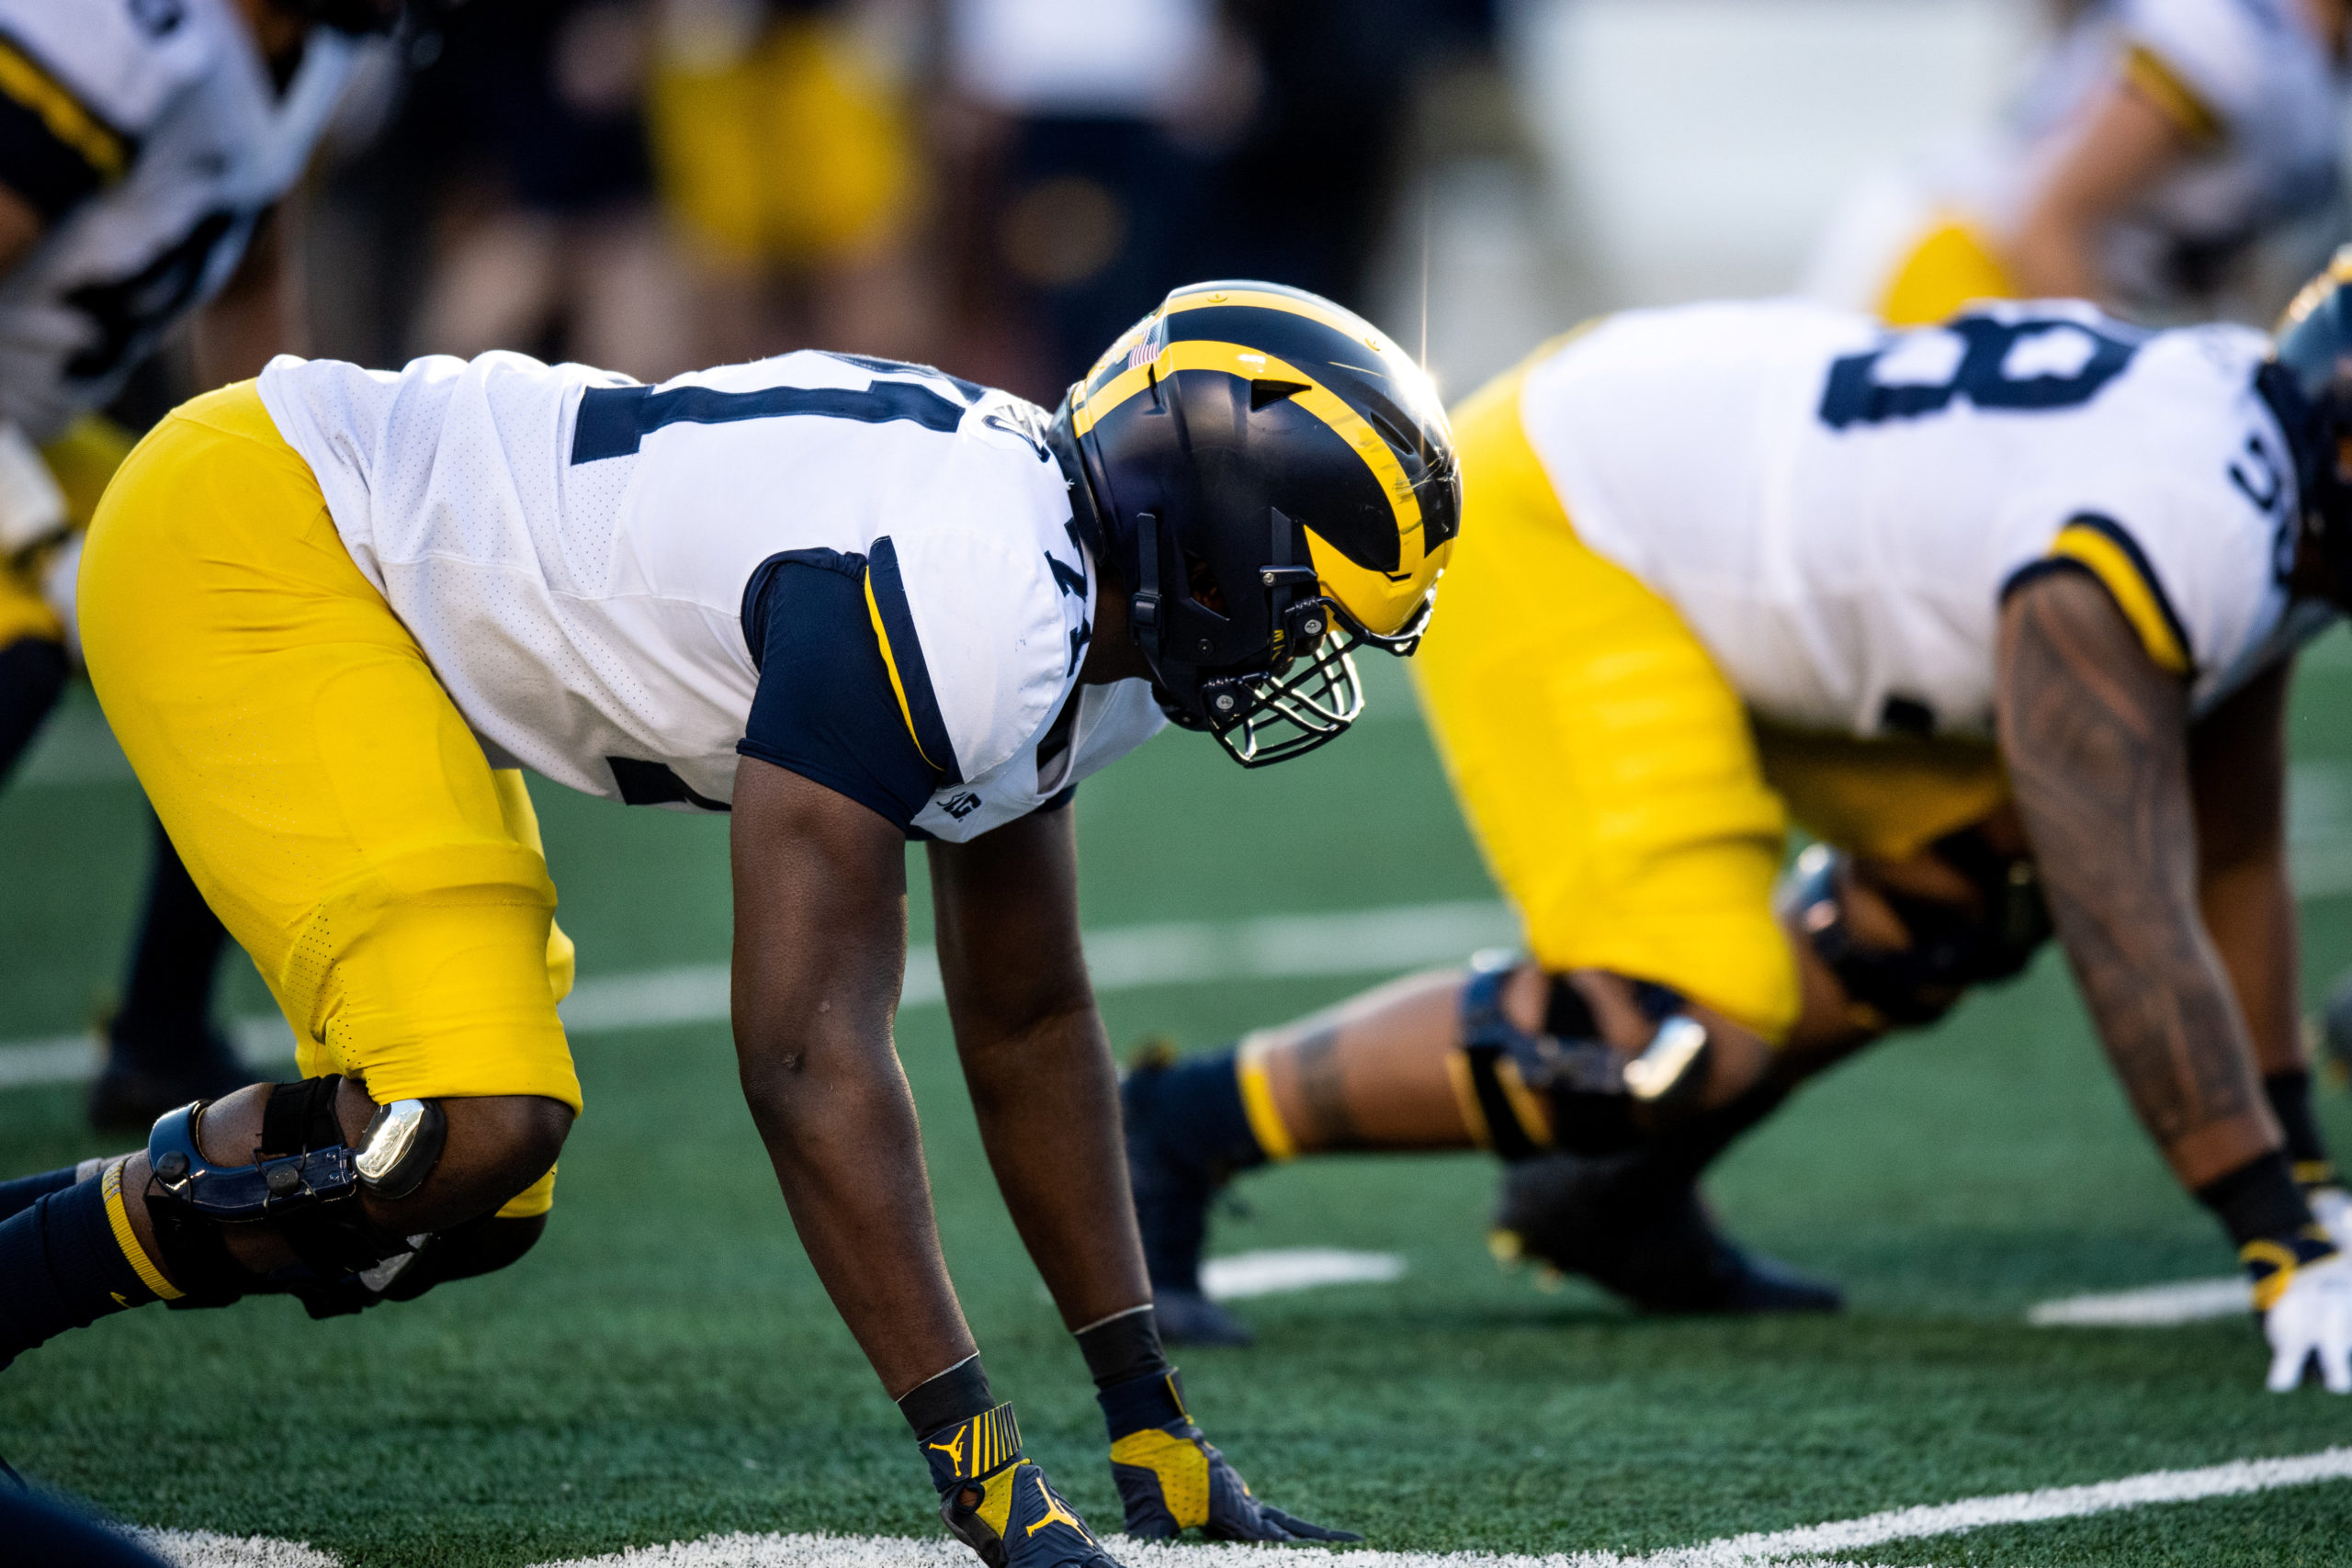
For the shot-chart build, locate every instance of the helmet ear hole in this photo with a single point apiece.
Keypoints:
(1200, 580)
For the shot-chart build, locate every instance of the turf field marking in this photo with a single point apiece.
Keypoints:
(1274, 1273)
(203, 1548)
(2154, 1306)
(1124, 958)
(1811, 1544)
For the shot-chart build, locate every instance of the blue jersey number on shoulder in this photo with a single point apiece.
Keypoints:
(2012, 365)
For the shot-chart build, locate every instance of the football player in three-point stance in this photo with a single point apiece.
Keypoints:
(854, 601)
(2155, 142)
(2003, 612)
(142, 145)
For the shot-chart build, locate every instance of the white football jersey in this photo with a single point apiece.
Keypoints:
(2251, 83)
(1836, 509)
(572, 549)
(151, 133)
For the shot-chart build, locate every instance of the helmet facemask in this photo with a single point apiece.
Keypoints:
(1301, 691)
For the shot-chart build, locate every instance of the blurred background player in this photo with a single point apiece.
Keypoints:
(144, 152)
(853, 602)
(1994, 609)
(2155, 144)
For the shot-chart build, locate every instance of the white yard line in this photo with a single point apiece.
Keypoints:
(2153, 1306)
(1284, 1270)
(1811, 1545)
(1124, 958)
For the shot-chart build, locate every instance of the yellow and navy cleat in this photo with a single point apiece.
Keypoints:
(1170, 1479)
(996, 1501)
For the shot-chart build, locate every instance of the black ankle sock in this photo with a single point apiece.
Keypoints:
(1124, 1347)
(1194, 1113)
(1690, 1147)
(32, 673)
(2291, 1102)
(60, 1268)
(957, 1395)
(20, 1194)
(2257, 1202)
(168, 998)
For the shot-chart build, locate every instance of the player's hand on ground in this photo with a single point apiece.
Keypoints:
(2310, 1317)
(2332, 1207)
(1015, 1519)
(1172, 1479)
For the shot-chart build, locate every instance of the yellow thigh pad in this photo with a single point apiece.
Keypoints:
(1605, 764)
(328, 799)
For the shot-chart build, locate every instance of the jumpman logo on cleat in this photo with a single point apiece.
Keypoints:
(954, 1449)
(1054, 1510)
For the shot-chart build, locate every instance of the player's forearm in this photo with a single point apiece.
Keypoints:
(2238, 780)
(838, 1123)
(1047, 1101)
(2096, 740)
(2250, 912)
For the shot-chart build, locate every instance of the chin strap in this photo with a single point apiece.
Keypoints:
(1143, 610)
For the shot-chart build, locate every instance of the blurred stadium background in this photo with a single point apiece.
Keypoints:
(997, 187)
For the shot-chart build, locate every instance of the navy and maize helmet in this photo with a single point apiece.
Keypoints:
(1274, 480)
(2309, 380)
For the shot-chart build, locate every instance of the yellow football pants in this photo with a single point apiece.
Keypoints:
(82, 459)
(1624, 798)
(1950, 265)
(793, 151)
(327, 797)
(1605, 764)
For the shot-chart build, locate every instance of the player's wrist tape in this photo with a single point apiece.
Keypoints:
(2259, 1202)
(2271, 1261)
(972, 1449)
(957, 1395)
(1123, 1347)
(1150, 1402)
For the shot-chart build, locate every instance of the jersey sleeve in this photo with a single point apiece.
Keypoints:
(980, 634)
(827, 704)
(2191, 570)
(78, 86)
(2205, 63)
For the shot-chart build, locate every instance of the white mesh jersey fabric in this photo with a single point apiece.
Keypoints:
(1836, 509)
(581, 596)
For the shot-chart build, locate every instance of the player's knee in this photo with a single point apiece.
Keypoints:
(1929, 951)
(1544, 1069)
(496, 1147)
(313, 1190)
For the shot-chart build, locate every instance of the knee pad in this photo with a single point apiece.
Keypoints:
(305, 1185)
(1568, 1087)
(1951, 947)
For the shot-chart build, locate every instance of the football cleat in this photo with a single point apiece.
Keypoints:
(1173, 1189)
(1170, 1479)
(1642, 1234)
(1273, 481)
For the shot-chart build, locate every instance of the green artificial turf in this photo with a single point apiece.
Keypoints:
(665, 1365)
